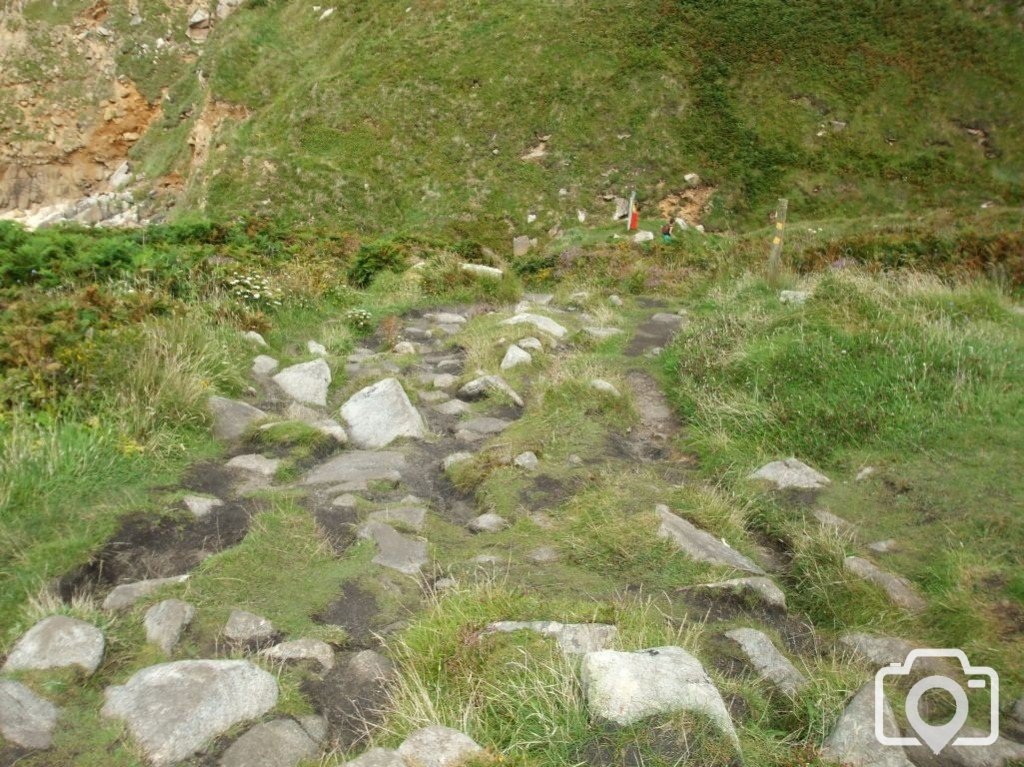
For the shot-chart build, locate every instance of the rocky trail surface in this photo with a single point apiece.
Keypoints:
(437, 464)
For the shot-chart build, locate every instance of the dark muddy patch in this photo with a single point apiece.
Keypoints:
(160, 546)
(351, 698)
(545, 492)
(423, 478)
(662, 744)
(11, 756)
(651, 334)
(336, 524)
(355, 610)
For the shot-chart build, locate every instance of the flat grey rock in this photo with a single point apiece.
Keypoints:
(263, 366)
(883, 547)
(572, 638)
(175, 709)
(443, 380)
(454, 459)
(201, 505)
(302, 650)
(700, 545)
(381, 413)
(599, 384)
(280, 743)
(514, 357)
(627, 687)
(453, 407)
(255, 337)
(26, 719)
(527, 460)
(306, 382)
(247, 627)
(601, 333)
(378, 757)
(445, 318)
(898, 589)
(346, 501)
(438, 746)
(487, 272)
(57, 642)
(433, 397)
(878, 651)
(667, 319)
(486, 425)
(488, 523)
(1002, 753)
(231, 418)
(357, 466)
(394, 550)
(315, 347)
(543, 555)
(253, 463)
(852, 742)
(124, 596)
(165, 621)
(791, 473)
(762, 587)
(770, 664)
(315, 726)
(531, 343)
(487, 385)
(412, 517)
(539, 321)
(541, 299)
(828, 519)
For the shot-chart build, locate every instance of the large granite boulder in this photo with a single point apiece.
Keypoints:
(380, 414)
(231, 418)
(57, 642)
(306, 382)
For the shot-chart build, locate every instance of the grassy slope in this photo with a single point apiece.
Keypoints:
(380, 118)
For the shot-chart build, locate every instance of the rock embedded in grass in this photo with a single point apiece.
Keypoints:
(852, 741)
(279, 743)
(353, 469)
(165, 621)
(173, 710)
(57, 642)
(394, 550)
(315, 347)
(791, 473)
(412, 517)
(488, 523)
(883, 547)
(601, 333)
(445, 318)
(700, 545)
(452, 407)
(486, 425)
(543, 555)
(486, 385)
(539, 321)
(256, 338)
(26, 719)
(514, 357)
(125, 595)
(899, 590)
(454, 459)
(796, 297)
(438, 746)
(305, 649)
(263, 366)
(880, 651)
(627, 687)
(378, 757)
(232, 418)
(487, 272)
(770, 664)
(306, 382)
(828, 519)
(527, 461)
(530, 342)
(572, 638)
(246, 628)
(255, 464)
(763, 588)
(381, 413)
(599, 384)
(200, 505)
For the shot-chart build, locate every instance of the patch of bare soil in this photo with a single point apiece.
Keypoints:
(352, 702)
(355, 610)
(650, 335)
(688, 204)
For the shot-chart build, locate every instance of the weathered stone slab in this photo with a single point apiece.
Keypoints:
(898, 589)
(412, 517)
(438, 746)
(306, 382)
(396, 551)
(770, 664)
(200, 505)
(514, 357)
(244, 627)
(57, 642)
(485, 385)
(26, 719)
(539, 321)
(231, 418)
(165, 621)
(124, 596)
(254, 463)
(763, 588)
(572, 638)
(380, 414)
(301, 650)
(791, 473)
(852, 742)
(700, 545)
(358, 466)
(280, 743)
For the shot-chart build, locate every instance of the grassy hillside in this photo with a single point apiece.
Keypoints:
(415, 115)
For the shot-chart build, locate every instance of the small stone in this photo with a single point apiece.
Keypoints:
(692, 179)
(614, 300)
(454, 459)
(828, 519)
(791, 473)
(486, 559)
(527, 460)
(379, 414)
(880, 651)
(883, 547)
(480, 270)
(306, 382)
(345, 501)
(514, 357)
(540, 322)
(26, 719)
(572, 638)
(488, 523)
(574, 461)
(601, 333)
(770, 664)
(484, 385)
(404, 347)
(445, 318)
(255, 464)
(543, 555)
(700, 545)
(643, 236)
(864, 473)
(255, 337)
(301, 650)
(57, 642)
(434, 397)
(200, 505)
(353, 469)
(486, 425)
(165, 621)
(175, 709)
(314, 347)
(453, 407)
(263, 366)
(231, 418)
(520, 246)
(444, 380)
(280, 743)
(764, 588)
(530, 343)
(796, 297)
(438, 746)
(248, 628)
(899, 590)
(394, 550)
(853, 742)
(604, 387)
(124, 596)
(668, 319)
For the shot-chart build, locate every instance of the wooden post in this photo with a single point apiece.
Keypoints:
(775, 259)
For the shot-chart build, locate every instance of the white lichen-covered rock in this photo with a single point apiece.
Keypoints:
(488, 523)
(438, 746)
(770, 664)
(26, 719)
(306, 382)
(527, 460)
(626, 687)
(165, 622)
(231, 418)
(256, 338)
(302, 650)
(794, 296)
(173, 710)
(317, 348)
(380, 414)
(701, 545)
(514, 357)
(201, 505)
(124, 596)
(539, 321)
(572, 638)
(899, 590)
(852, 742)
(280, 743)
(57, 642)
(791, 473)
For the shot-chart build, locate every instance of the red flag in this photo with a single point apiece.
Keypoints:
(634, 219)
